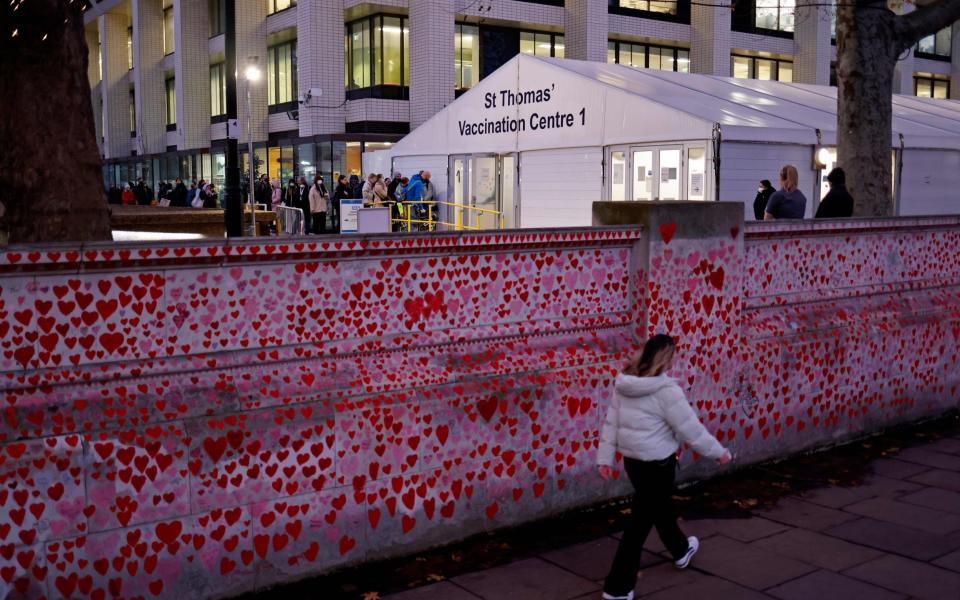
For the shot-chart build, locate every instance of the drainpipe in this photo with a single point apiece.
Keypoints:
(717, 139)
(897, 179)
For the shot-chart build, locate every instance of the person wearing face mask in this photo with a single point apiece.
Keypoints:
(319, 199)
(763, 196)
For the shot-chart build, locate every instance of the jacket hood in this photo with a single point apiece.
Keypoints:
(638, 387)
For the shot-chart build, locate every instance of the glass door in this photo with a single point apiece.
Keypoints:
(458, 187)
(483, 193)
(508, 179)
(618, 175)
(644, 182)
(669, 182)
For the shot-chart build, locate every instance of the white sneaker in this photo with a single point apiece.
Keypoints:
(694, 545)
(607, 596)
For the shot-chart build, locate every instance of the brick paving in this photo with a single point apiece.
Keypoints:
(895, 535)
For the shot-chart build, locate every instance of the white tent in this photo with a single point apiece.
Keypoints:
(541, 138)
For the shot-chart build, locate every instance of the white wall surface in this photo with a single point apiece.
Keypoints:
(558, 187)
(929, 183)
(743, 165)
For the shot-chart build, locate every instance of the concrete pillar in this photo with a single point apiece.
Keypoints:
(148, 77)
(92, 33)
(432, 27)
(586, 29)
(955, 62)
(115, 87)
(320, 65)
(192, 30)
(709, 40)
(903, 72)
(812, 47)
(252, 41)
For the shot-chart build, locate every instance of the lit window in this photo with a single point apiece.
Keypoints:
(218, 90)
(217, 17)
(169, 43)
(278, 5)
(767, 69)
(129, 48)
(928, 85)
(466, 57)
(647, 56)
(282, 73)
(171, 104)
(665, 7)
(541, 44)
(774, 14)
(377, 57)
(133, 114)
(937, 44)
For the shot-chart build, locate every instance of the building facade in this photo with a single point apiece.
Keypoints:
(344, 77)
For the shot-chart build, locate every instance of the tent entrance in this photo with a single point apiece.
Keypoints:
(657, 172)
(482, 192)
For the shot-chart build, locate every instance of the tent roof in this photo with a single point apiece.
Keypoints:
(628, 105)
(751, 103)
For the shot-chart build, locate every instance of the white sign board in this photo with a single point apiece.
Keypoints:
(349, 207)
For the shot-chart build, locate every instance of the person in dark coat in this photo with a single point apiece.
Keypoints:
(142, 193)
(763, 196)
(178, 196)
(262, 192)
(114, 196)
(356, 187)
(838, 203)
(341, 191)
(303, 202)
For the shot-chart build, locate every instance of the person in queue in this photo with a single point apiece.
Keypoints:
(649, 417)
(303, 202)
(319, 199)
(763, 196)
(262, 194)
(367, 190)
(276, 193)
(341, 192)
(838, 203)
(380, 195)
(178, 196)
(788, 202)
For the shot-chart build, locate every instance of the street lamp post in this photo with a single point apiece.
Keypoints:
(251, 74)
(233, 207)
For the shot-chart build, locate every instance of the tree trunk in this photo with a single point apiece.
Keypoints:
(51, 184)
(867, 51)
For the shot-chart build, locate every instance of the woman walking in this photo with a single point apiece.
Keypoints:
(648, 419)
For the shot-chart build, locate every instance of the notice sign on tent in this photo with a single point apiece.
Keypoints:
(349, 208)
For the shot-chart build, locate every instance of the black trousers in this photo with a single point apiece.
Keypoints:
(652, 507)
(319, 222)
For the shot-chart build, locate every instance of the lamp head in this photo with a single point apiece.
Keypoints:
(252, 73)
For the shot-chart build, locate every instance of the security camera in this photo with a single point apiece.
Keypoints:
(304, 98)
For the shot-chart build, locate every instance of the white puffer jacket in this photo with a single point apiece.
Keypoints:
(647, 420)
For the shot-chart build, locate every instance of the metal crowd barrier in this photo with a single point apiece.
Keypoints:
(289, 220)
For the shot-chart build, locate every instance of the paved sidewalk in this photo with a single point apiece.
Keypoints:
(894, 535)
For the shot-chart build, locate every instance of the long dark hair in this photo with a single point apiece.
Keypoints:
(641, 365)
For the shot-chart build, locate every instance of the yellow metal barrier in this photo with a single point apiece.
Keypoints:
(407, 207)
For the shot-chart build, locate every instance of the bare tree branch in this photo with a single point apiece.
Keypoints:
(928, 19)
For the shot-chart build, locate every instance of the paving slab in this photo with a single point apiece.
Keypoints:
(895, 539)
(817, 549)
(930, 458)
(896, 469)
(950, 561)
(888, 487)
(827, 584)
(836, 496)
(946, 445)
(708, 587)
(901, 513)
(948, 480)
(592, 559)
(806, 514)
(664, 576)
(936, 498)
(438, 591)
(911, 577)
(747, 565)
(530, 579)
(744, 530)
